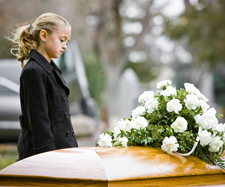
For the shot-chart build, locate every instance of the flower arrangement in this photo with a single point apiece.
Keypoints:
(176, 120)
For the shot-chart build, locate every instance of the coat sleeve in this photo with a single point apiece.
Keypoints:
(35, 97)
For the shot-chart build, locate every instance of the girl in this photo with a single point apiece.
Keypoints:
(45, 119)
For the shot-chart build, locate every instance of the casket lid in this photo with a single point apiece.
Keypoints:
(110, 164)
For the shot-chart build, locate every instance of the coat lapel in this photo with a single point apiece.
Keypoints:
(60, 78)
(49, 67)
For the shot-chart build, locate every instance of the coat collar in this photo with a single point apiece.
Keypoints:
(42, 61)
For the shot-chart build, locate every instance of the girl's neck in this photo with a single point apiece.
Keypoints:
(44, 54)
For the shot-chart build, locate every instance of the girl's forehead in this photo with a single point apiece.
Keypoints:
(64, 31)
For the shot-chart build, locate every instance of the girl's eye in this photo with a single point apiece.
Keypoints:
(61, 40)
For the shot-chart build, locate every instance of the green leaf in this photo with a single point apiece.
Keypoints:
(96, 144)
(109, 133)
(117, 143)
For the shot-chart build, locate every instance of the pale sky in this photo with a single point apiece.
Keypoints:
(170, 8)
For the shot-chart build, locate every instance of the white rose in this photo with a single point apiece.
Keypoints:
(133, 125)
(207, 120)
(192, 102)
(163, 83)
(138, 111)
(116, 132)
(105, 140)
(169, 91)
(139, 122)
(151, 105)
(204, 105)
(174, 106)
(145, 96)
(205, 137)
(203, 98)
(212, 111)
(179, 125)
(170, 144)
(124, 141)
(219, 127)
(215, 144)
(191, 89)
(124, 125)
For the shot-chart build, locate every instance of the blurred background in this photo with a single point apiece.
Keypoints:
(124, 47)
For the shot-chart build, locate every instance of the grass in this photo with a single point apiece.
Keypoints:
(8, 155)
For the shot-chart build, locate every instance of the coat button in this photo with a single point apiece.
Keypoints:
(73, 134)
(68, 133)
(66, 115)
(64, 97)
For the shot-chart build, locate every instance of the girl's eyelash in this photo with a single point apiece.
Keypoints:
(63, 41)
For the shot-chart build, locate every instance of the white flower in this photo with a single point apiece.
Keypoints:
(145, 96)
(219, 127)
(203, 98)
(179, 125)
(151, 105)
(191, 89)
(163, 83)
(170, 144)
(204, 105)
(105, 140)
(192, 102)
(124, 125)
(139, 122)
(207, 120)
(169, 91)
(215, 144)
(205, 137)
(138, 111)
(124, 141)
(174, 106)
(116, 132)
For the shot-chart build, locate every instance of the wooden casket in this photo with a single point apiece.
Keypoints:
(117, 166)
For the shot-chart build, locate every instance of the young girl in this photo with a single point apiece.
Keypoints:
(45, 119)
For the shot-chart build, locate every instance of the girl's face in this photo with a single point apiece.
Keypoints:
(56, 42)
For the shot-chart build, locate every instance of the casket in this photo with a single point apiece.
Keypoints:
(117, 166)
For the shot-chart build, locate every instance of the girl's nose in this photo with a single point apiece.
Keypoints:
(64, 46)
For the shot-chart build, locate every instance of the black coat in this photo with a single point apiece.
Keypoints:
(45, 119)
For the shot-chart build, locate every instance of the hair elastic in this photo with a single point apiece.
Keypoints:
(30, 27)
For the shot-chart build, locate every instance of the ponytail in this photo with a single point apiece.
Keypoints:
(26, 38)
(23, 41)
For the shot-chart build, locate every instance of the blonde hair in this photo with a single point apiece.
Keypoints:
(26, 38)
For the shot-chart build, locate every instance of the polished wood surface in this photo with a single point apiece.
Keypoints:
(144, 162)
(207, 180)
(74, 163)
(117, 166)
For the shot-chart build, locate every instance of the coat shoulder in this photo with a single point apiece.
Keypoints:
(32, 68)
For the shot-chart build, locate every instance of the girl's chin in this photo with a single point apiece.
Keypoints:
(57, 56)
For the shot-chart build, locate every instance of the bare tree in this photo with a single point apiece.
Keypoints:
(109, 37)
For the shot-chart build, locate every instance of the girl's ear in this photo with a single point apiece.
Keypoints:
(43, 35)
